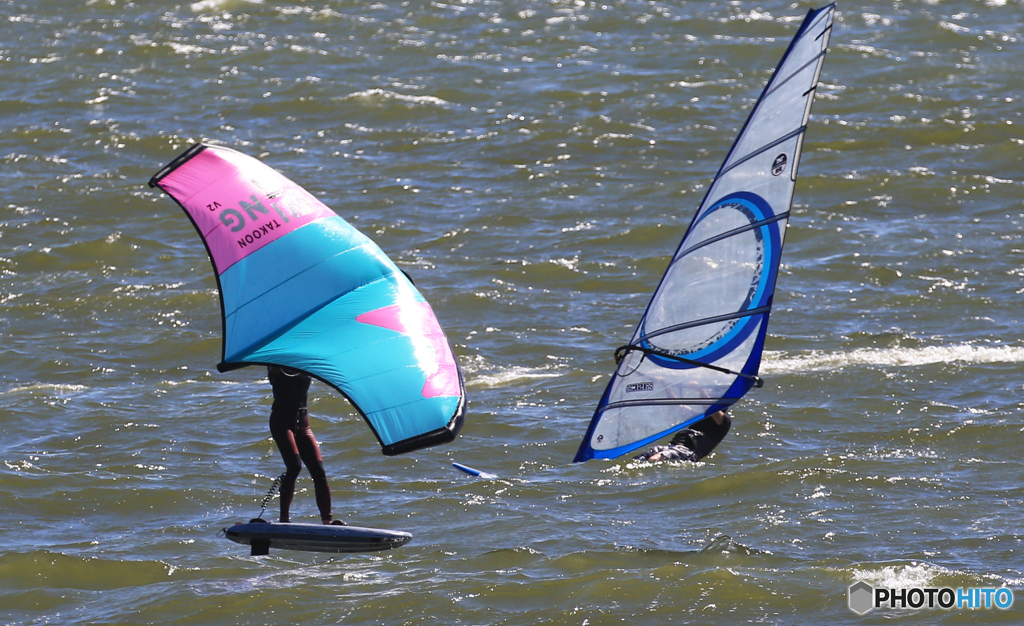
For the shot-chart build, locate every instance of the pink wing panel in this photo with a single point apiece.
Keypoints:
(417, 321)
(239, 204)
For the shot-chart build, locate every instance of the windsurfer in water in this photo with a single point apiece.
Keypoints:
(693, 443)
(289, 425)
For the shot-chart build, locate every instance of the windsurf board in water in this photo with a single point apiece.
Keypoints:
(262, 536)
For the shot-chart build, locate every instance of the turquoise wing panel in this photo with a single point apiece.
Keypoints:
(385, 373)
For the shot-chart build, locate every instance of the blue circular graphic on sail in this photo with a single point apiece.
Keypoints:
(726, 265)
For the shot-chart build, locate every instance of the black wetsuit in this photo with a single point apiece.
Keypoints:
(693, 443)
(289, 425)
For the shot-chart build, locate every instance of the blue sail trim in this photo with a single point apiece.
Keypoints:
(586, 452)
(732, 340)
(735, 392)
(771, 238)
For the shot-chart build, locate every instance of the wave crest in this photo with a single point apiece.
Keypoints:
(781, 363)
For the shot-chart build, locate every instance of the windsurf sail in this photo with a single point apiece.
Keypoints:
(698, 346)
(300, 287)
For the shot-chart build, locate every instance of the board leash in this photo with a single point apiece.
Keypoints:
(270, 494)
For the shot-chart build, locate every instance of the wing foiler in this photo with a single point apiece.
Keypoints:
(300, 287)
(698, 347)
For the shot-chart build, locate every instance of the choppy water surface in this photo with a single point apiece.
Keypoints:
(531, 165)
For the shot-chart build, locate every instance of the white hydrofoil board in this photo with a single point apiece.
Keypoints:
(263, 535)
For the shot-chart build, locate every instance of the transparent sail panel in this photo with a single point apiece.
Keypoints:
(646, 398)
(716, 279)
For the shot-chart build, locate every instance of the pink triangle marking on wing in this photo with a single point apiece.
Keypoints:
(417, 321)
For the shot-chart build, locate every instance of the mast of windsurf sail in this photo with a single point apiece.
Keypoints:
(697, 349)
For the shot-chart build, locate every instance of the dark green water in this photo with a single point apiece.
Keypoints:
(531, 165)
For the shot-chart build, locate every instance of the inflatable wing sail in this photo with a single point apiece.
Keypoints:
(302, 288)
(697, 348)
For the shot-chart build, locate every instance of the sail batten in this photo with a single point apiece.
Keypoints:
(301, 288)
(736, 231)
(781, 140)
(697, 349)
(701, 322)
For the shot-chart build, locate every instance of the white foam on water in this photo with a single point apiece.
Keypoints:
(901, 576)
(219, 5)
(57, 389)
(383, 94)
(781, 363)
(508, 376)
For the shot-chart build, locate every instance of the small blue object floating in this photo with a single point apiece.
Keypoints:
(473, 472)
